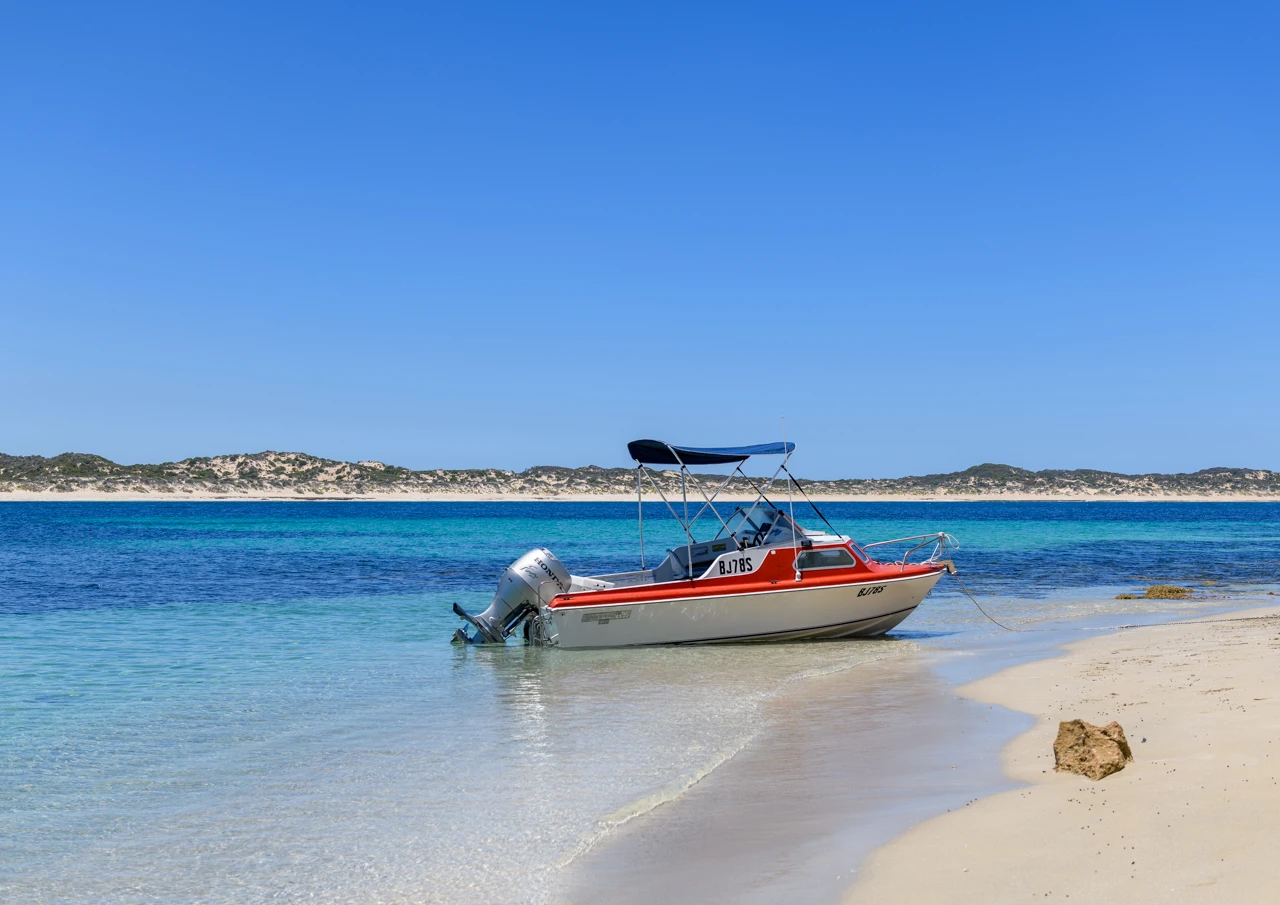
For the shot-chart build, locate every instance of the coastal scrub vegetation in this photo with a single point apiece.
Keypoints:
(287, 473)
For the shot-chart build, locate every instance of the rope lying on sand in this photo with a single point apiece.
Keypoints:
(1102, 628)
(1191, 622)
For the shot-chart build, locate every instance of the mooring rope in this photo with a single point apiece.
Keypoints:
(1189, 622)
(996, 621)
(1104, 628)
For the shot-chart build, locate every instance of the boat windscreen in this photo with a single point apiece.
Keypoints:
(751, 530)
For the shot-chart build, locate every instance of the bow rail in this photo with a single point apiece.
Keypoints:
(943, 546)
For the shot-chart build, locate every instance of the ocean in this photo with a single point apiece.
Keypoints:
(258, 702)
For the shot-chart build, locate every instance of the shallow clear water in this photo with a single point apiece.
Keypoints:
(243, 702)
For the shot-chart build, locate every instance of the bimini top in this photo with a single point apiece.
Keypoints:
(655, 452)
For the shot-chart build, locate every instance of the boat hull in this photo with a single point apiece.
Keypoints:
(857, 609)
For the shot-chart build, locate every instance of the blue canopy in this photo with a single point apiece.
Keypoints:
(655, 452)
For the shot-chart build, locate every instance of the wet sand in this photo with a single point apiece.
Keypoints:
(837, 771)
(1195, 818)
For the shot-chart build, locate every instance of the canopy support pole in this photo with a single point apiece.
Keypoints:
(812, 503)
(658, 490)
(684, 494)
(768, 484)
(710, 500)
(688, 535)
(795, 541)
(640, 511)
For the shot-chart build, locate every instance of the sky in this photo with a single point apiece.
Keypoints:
(929, 235)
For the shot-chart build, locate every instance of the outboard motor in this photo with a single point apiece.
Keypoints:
(531, 580)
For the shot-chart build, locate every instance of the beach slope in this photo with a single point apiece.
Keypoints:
(1195, 817)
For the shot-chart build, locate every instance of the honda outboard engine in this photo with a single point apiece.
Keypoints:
(531, 580)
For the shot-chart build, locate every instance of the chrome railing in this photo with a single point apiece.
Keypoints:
(943, 545)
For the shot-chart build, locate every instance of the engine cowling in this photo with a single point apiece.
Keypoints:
(530, 581)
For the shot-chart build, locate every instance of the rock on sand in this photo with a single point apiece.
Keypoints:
(1092, 751)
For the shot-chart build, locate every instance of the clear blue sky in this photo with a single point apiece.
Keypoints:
(463, 235)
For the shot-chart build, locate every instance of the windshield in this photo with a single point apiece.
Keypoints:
(751, 530)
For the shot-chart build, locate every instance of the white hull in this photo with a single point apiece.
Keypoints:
(786, 614)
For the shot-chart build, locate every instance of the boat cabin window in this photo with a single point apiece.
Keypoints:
(831, 558)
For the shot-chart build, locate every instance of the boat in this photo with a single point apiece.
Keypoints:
(761, 577)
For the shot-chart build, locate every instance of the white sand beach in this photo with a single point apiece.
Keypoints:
(1194, 818)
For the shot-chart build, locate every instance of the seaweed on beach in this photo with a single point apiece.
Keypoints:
(1162, 592)
(1166, 592)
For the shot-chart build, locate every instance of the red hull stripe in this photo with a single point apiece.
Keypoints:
(739, 586)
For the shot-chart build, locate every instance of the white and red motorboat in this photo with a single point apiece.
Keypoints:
(762, 577)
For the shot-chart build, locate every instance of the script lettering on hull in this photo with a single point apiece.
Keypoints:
(607, 617)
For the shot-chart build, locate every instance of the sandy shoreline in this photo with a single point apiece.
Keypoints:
(1195, 818)
(789, 817)
(134, 497)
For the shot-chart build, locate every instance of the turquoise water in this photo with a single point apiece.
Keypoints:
(251, 702)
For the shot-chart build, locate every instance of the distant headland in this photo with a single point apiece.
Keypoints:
(293, 476)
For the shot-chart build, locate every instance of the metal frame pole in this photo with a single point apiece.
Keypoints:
(811, 502)
(658, 490)
(710, 500)
(768, 484)
(640, 511)
(795, 541)
(688, 535)
(684, 495)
